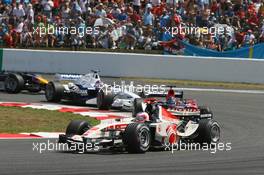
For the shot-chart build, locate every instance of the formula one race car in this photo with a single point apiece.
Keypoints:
(155, 127)
(14, 82)
(80, 89)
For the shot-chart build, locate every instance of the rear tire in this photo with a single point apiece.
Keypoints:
(208, 131)
(77, 127)
(54, 92)
(14, 83)
(137, 107)
(137, 138)
(104, 100)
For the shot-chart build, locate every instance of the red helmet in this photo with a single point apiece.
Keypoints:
(171, 93)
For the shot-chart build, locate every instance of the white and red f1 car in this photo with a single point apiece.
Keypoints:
(156, 125)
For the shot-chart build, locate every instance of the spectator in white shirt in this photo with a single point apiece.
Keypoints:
(115, 11)
(47, 5)
(30, 13)
(249, 38)
(101, 13)
(19, 30)
(18, 11)
(65, 11)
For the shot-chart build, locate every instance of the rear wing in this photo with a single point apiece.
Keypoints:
(178, 94)
(67, 77)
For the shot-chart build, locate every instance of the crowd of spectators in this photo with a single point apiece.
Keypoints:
(132, 24)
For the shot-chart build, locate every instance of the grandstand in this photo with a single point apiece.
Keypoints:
(218, 25)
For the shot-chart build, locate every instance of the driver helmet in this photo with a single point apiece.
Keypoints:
(98, 84)
(170, 93)
(171, 102)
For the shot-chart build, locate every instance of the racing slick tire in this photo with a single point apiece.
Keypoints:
(77, 127)
(137, 138)
(137, 107)
(104, 100)
(14, 83)
(208, 132)
(54, 92)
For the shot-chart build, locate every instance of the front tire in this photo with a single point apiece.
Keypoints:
(14, 83)
(54, 92)
(104, 100)
(137, 138)
(77, 127)
(208, 131)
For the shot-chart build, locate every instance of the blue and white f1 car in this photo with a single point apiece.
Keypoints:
(89, 86)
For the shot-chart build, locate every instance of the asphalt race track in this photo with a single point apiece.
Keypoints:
(240, 116)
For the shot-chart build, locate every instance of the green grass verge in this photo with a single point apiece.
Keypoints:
(17, 120)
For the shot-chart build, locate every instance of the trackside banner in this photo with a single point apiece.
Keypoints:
(256, 51)
(1, 58)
